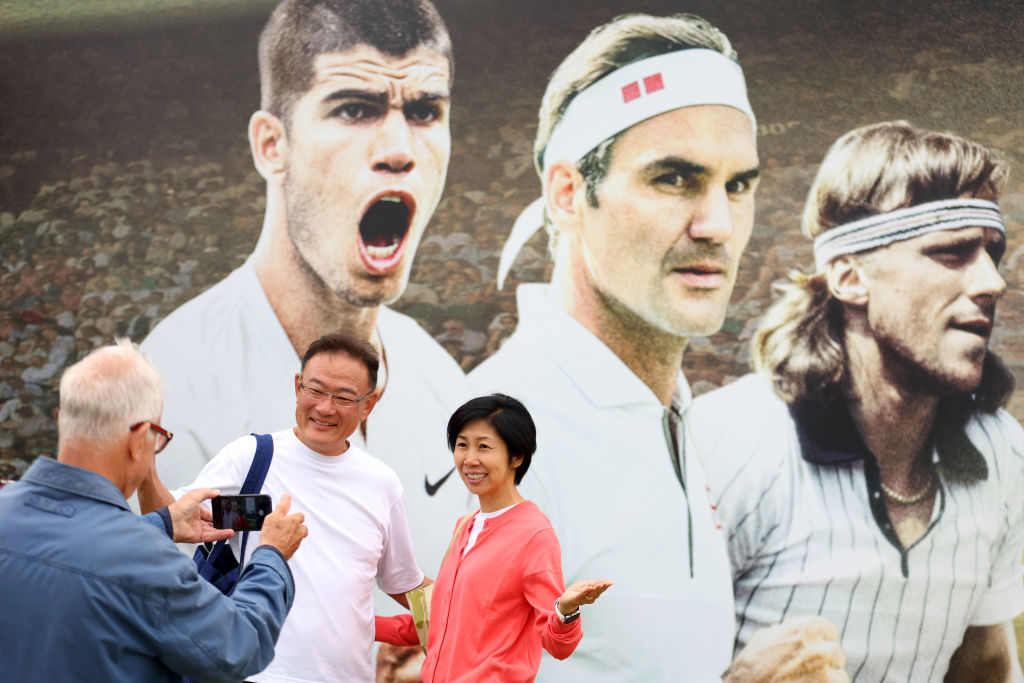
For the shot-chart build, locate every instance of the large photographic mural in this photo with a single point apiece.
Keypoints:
(127, 187)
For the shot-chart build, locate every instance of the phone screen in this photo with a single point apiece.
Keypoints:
(241, 513)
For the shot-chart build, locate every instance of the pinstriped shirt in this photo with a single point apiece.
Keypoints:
(808, 532)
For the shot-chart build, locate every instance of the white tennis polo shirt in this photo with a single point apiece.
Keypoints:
(604, 475)
(808, 533)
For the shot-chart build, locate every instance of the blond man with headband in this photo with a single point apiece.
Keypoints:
(867, 473)
(648, 161)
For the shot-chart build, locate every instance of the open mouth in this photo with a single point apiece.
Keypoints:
(383, 230)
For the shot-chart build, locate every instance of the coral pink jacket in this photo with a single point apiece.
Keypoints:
(493, 610)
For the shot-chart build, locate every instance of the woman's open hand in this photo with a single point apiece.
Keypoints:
(581, 593)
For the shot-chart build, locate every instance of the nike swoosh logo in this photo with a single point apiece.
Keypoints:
(432, 488)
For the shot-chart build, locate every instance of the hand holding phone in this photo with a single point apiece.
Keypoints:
(241, 513)
(283, 531)
(192, 521)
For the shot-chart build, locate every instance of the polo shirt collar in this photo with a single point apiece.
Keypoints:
(828, 436)
(588, 363)
(52, 474)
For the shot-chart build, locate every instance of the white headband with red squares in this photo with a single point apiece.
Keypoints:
(644, 89)
(622, 99)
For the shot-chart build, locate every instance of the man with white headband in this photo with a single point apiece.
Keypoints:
(867, 473)
(647, 155)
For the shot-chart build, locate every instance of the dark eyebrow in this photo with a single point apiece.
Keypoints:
(380, 98)
(686, 167)
(326, 389)
(951, 240)
(749, 175)
(955, 242)
(679, 165)
(430, 97)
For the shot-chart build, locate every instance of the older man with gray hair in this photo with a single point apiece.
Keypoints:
(114, 597)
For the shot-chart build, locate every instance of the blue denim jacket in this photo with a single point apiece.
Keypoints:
(92, 592)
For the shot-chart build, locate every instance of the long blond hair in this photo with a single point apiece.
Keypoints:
(869, 170)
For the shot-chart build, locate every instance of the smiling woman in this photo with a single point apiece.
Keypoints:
(493, 439)
(506, 565)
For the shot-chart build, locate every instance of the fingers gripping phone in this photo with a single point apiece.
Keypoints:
(241, 513)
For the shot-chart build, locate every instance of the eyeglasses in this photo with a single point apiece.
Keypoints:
(163, 437)
(338, 400)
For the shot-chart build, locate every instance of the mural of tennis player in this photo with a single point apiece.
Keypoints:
(353, 141)
(648, 160)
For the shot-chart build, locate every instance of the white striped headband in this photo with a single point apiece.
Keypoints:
(627, 96)
(904, 224)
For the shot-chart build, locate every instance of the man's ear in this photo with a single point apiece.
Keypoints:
(847, 281)
(268, 142)
(137, 441)
(564, 194)
(368, 403)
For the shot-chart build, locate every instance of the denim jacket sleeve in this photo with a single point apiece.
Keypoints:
(161, 519)
(115, 597)
(204, 634)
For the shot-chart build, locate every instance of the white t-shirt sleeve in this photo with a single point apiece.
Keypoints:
(397, 571)
(228, 469)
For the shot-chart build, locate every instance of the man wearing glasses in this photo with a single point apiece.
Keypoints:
(117, 600)
(352, 504)
(352, 138)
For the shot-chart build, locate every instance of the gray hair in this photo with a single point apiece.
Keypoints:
(106, 392)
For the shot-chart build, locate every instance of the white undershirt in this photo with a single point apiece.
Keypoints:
(478, 524)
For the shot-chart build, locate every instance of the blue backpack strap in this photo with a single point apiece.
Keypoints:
(254, 480)
(260, 464)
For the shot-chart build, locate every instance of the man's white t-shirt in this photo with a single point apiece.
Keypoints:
(358, 534)
(229, 369)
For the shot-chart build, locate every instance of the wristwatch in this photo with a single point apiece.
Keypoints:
(567, 618)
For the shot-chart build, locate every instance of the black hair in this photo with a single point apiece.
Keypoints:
(510, 419)
(357, 349)
(298, 31)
